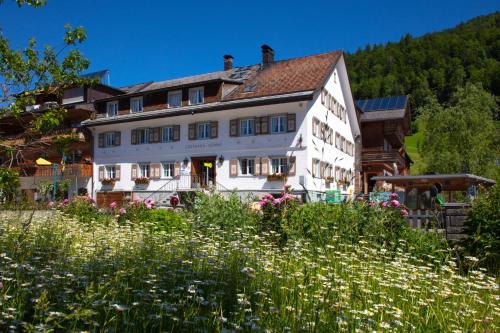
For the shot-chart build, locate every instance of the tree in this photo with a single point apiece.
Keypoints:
(29, 72)
(463, 136)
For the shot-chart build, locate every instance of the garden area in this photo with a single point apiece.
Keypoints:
(230, 265)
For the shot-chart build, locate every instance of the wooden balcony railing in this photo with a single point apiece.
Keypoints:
(70, 170)
(378, 155)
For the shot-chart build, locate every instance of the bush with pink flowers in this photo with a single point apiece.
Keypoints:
(83, 208)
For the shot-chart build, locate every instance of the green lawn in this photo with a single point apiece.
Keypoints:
(412, 143)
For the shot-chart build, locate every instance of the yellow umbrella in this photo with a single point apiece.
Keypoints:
(41, 161)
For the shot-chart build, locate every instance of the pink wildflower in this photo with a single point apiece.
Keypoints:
(65, 202)
(122, 211)
(113, 205)
(51, 204)
(394, 196)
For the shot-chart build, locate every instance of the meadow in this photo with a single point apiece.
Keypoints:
(62, 274)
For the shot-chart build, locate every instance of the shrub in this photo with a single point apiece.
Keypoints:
(381, 225)
(228, 213)
(167, 220)
(9, 183)
(483, 229)
(83, 208)
(137, 211)
(275, 213)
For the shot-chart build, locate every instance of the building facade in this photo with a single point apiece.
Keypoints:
(68, 145)
(249, 129)
(384, 124)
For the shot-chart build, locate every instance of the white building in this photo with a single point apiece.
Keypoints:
(259, 127)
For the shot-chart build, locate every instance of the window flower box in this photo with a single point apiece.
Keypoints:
(276, 177)
(142, 180)
(108, 181)
(329, 180)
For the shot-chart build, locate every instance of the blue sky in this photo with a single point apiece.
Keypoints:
(155, 40)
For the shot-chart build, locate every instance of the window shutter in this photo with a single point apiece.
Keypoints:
(291, 166)
(291, 122)
(264, 125)
(118, 138)
(322, 169)
(313, 169)
(233, 168)
(177, 133)
(133, 137)
(233, 127)
(257, 126)
(101, 173)
(151, 134)
(314, 127)
(155, 170)
(256, 172)
(177, 170)
(264, 166)
(134, 171)
(323, 92)
(192, 132)
(101, 140)
(213, 129)
(117, 171)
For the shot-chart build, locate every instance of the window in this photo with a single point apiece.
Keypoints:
(110, 171)
(74, 156)
(247, 127)
(247, 166)
(136, 104)
(316, 168)
(142, 135)
(196, 95)
(328, 171)
(110, 139)
(175, 99)
(279, 165)
(167, 134)
(144, 170)
(316, 128)
(168, 169)
(112, 109)
(278, 124)
(203, 130)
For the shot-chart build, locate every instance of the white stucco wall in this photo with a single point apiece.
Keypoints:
(268, 145)
(324, 151)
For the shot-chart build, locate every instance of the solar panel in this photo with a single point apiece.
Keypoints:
(384, 103)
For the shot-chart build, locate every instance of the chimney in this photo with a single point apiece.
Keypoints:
(267, 56)
(228, 62)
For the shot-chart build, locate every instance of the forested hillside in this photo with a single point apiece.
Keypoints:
(435, 63)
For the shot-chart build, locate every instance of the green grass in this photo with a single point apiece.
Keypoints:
(412, 142)
(64, 275)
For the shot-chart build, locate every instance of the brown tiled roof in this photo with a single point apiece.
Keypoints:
(282, 77)
(287, 76)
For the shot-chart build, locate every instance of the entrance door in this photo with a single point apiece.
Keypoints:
(203, 171)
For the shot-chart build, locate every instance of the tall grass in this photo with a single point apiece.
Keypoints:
(64, 275)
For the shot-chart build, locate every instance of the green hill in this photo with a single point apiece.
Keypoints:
(432, 64)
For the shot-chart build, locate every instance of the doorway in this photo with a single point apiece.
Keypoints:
(203, 171)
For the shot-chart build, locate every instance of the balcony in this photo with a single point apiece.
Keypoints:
(377, 156)
(70, 170)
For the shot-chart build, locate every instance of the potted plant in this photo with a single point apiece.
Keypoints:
(142, 180)
(108, 181)
(276, 177)
(329, 179)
